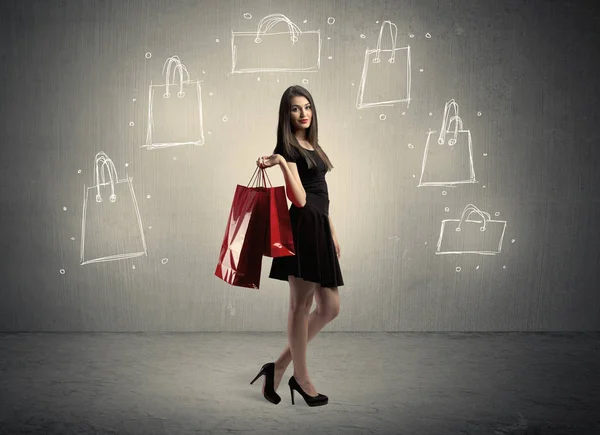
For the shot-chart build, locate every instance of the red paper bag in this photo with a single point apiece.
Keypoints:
(240, 259)
(279, 240)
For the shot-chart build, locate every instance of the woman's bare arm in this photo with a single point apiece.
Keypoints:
(294, 189)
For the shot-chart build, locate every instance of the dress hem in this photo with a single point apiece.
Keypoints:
(308, 280)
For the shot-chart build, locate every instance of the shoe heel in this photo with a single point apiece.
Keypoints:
(262, 372)
(292, 393)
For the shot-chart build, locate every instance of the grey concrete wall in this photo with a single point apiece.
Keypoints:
(76, 81)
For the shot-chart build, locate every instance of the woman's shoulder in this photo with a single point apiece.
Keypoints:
(290, 153)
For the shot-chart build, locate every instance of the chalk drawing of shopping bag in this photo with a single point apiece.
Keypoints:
(449, 161)
(111, 227)
(263, 51)
(386, 73)
(174, 109)
(481, 235)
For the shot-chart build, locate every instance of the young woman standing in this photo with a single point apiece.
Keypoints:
(314, 271)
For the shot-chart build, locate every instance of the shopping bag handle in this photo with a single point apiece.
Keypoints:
(447, 120)
(470, 208)
(174, 60)
(393, 36)
(261, 177)
(271, 20)
(108, 163)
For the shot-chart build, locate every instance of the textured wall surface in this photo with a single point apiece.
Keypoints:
(81, 78)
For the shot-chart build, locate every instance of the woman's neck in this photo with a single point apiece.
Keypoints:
(301, 136)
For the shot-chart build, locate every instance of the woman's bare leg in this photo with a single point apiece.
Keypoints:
(301, 297)
(328, 306)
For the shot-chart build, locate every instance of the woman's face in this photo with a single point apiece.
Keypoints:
(301, 113)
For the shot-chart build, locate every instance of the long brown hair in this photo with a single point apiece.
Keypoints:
(285, 135)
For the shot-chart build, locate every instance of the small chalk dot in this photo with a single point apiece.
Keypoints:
(305, 81)
(203, 72)
(174, 158)
(512, 241)
(126, 165)
(329, 37)
(150, 227)
(65, 208)
(329, 57)
(411, 146)
(225, 118)
(353, 84)
(425, 242)
(62, 271)
(305, 21)
(403, 113)
(217, 40)
(211, 94)
(447, 209)
(504, 267)
(458, 269)
(411, 35)
(148, 55)
(421, 69)
(330, 20)
(164, 260)
(247, 15)
(258, 79)
(134, 100)
(484, 154)
(131, 124)
(478, 113)
(72, 238)
(148, 196)
(428, 35)
(414, 176)
(483, 186)
(79, 171)
(477, 267)
(278, 80)
(444, 193)
(363, 36)
(377, 22)
(209, 132)
(133, 267)
(497, 213)
(382, 117)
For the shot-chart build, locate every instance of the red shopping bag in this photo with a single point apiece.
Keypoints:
(240, 259)
(279, 239)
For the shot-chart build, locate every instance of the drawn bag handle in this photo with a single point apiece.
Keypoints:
(450, 105)
(174, 60)
(473, 209)
(106, 162)
(271, 20)
(457, 121)
(393, 36)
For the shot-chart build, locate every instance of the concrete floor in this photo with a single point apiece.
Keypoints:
(377, 383)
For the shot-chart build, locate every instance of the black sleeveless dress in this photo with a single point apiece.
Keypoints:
(315, 260)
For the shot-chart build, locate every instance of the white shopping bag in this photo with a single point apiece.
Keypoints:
(111, 226)
(265, 51)
(449, 160)
(174, 109)
(386, 73)
(480, 235)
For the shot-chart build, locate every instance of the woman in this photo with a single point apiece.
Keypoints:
(314, 270)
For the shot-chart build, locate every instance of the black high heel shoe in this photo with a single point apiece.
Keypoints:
(268, 391)
(319, 400)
